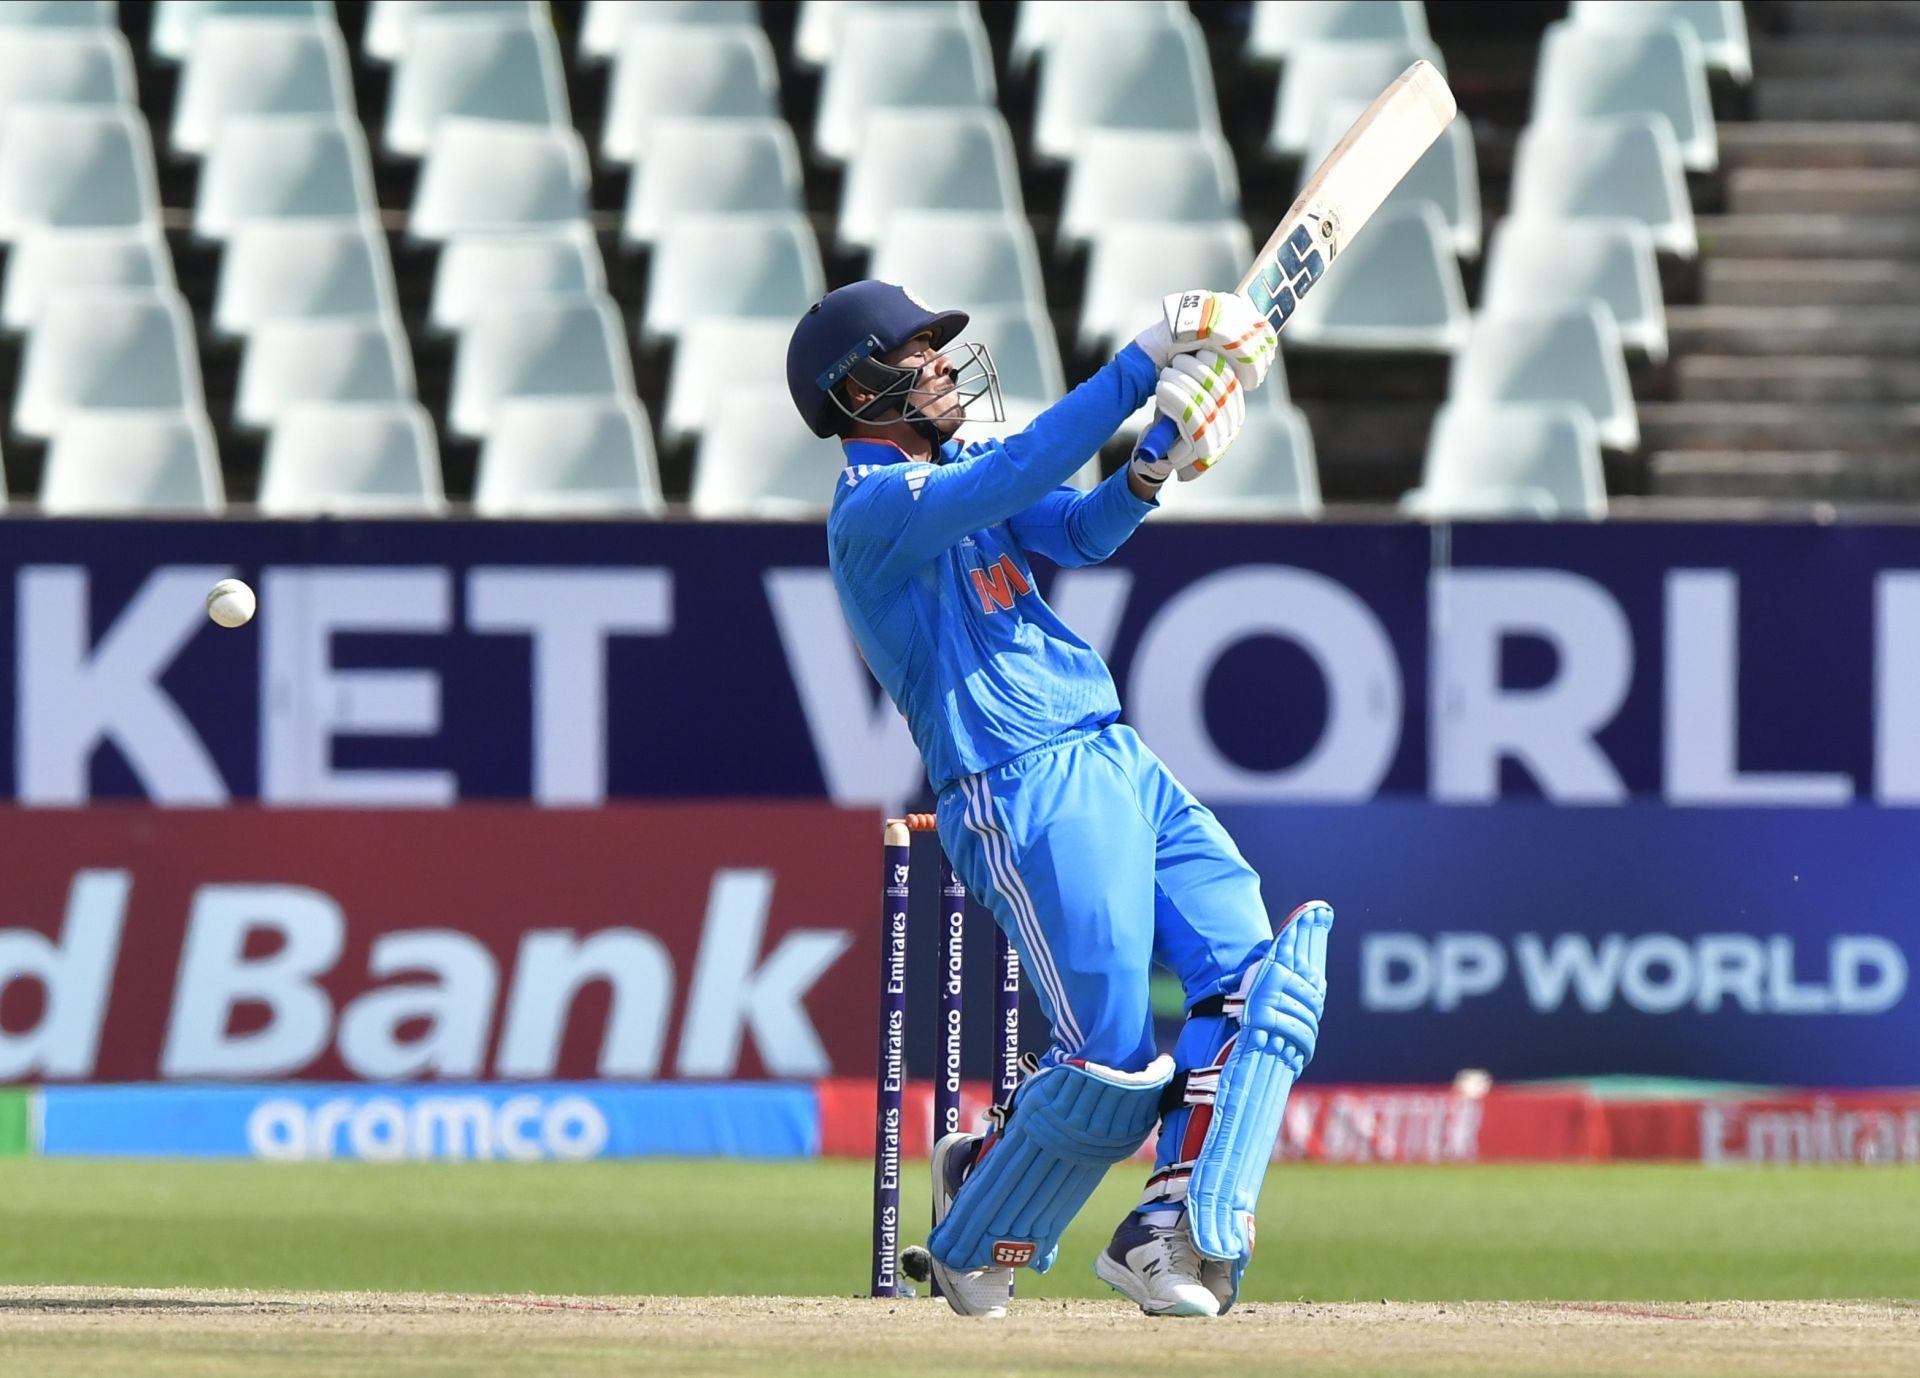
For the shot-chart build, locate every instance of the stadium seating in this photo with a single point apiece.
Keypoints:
(1123, 75)
(1120, 176)
(551, 346)
(1040, 21)
(962, 258)
(276, 270)
(604, 28)
(1322, 74)
(175, 22)
(1133, 266)
(1025, 354)
(256, 66)
(1594, 72)
(1720, 26)
(716, 355)
(1556, 354)
(1268, 473)
(913, 159)
(64, 67)
(1535, 263)
(47, 261)
(1279, 27)
(475, 67)
(72, 166)
(352, 459)
(485, 175)
(132, 462)
(328, 359)
(1606, 170)
(885, 60)
(282, 167)
(701, 70)
(58, 14)
(754, 462)
(478, 271)
(731, 265)
(1398, 290)
(568, 457)
(703, 165)
(391, 23)
(107, 348)
(1517, 461)
(816, 34)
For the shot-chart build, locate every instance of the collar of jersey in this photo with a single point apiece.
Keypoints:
(873, 451)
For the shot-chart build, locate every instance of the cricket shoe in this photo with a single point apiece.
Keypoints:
(1157, 1267)
(984, 1291)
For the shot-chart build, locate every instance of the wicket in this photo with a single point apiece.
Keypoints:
(891, 1076)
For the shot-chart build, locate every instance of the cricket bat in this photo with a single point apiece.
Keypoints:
(1335, 205)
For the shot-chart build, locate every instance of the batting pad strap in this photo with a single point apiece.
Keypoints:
(1278, 1004)
(1070, 1122)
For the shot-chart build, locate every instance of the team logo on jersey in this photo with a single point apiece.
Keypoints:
(999, 584)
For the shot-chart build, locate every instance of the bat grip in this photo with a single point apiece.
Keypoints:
(1158, 439)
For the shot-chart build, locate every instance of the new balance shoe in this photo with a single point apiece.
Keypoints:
(1156, 1267)
(984, 1291)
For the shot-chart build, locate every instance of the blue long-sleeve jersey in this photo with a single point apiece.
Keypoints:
(930, 562)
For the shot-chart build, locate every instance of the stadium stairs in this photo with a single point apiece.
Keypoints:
(1797, 375)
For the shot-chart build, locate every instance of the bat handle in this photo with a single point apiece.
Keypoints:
(1159, 438)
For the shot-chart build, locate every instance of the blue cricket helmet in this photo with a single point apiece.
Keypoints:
(843, 330)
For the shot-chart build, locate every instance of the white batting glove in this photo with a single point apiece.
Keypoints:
(1224, 322)
(1203, 396)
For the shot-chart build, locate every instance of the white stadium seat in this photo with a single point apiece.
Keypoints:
(283, 269)
(607, 22)
(568, 457)
(567, 346)
(1039, 22)
(484, 175)
(732, 265)
(330, 359)
(391, 23)
(175, 22)
(690, 72)
(257, 66)
(716, 354)
(1123, 175)
(816, 33)
(1589, 72)
(132, 463)
(107, 348)
(1279, 28)
(45, 262)
(1268, 472)
(1447, 175)
(1322, 74)
(1538, 460)
(58, 14)
(1551, 354)
(961, 258)
(756, 462)
(885, 60)
(1535, 263)
(712, 165)
(283, 167)
(352, 459)
(1720, 26)
(1123, 75)
(65, 67)
(1133, 266)
(1606, 170)
(477, 272)
(74, 166)
(955, 160)
(474, 67)
(1398, 290)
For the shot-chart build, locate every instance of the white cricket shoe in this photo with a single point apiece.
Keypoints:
(984, 1291)
(1157, 1267)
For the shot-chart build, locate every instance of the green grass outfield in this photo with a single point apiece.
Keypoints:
(649, 1227)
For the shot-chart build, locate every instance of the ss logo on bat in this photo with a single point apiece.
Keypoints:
(1295, 268)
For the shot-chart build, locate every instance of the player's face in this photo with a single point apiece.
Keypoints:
(933, 392)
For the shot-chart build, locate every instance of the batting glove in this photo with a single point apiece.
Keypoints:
(1224, 322)
(1202, 395)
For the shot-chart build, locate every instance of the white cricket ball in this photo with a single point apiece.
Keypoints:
(231, 603)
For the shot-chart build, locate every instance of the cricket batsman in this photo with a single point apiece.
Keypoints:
(1095, 861)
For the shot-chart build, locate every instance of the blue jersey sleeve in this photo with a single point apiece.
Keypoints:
(1072, 528)
(919, 511)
